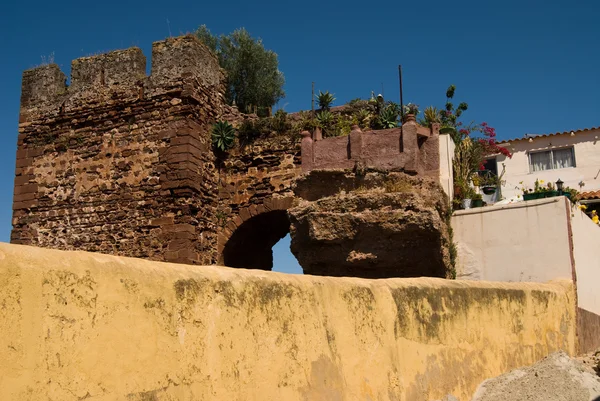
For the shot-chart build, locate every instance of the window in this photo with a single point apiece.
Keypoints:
(489, 165)
(551, 159)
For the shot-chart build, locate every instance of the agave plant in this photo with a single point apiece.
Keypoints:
(324, 119)
(325, 100)
(388, 117)
(223, 135)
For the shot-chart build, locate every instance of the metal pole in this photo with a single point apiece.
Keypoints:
(312, 100)
(401, 99)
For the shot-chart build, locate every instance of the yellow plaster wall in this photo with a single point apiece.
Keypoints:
(78, 325)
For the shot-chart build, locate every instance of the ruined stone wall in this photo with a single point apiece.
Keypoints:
(79, 325)
(255, 187)
(118, 162)
(265, 169)
(371, 224)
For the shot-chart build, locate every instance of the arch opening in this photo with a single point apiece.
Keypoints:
(251, 245)
(284, 261)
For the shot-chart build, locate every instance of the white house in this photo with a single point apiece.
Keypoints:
(571, 156)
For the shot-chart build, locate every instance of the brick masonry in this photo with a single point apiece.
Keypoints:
(120, 162)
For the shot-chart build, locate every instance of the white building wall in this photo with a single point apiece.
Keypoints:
(586, 244)
(525, 241)
(587, 160)
(447, 146)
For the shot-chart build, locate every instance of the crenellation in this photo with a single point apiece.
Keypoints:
(42, 85)
(117, 68)
(181, 67)
(180, 58)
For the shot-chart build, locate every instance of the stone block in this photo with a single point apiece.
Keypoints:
(121, 67)
(42, 85)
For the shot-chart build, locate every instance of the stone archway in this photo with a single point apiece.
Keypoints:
(248, 238)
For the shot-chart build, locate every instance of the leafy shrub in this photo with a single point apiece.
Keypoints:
(223, 135)
(251, 130)
(411, 108)
(306, 122)
(343, 125)
(254, 81)
(279, 122)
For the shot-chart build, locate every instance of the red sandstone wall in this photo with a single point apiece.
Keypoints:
(253, 181)
(118, 162)
(412, 149)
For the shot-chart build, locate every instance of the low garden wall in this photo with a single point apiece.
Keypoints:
(89, 326)
(536, 241)
(525, 241)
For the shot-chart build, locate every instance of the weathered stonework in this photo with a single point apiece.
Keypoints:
(83, 326)
(255, 190)
(371, 225)
(118, 162)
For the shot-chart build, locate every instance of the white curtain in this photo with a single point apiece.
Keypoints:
(540, 161)
(563, 158)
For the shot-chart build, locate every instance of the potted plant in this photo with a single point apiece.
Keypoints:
(570, 193)
(477, 200)
(539, 190)
(411, 110)
(468, 195)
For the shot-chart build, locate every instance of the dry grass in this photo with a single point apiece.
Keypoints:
(392, 185)
(388, 186)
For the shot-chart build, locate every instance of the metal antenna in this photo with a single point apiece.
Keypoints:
(401, 99)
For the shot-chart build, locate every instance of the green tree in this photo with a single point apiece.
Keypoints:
(254, 81)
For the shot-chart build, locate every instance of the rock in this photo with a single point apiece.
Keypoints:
(375, 225)
(591, 361)
(555, 378)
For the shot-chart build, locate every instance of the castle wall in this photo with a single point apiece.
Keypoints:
(119, 162)
(255, 190)
(79, 325)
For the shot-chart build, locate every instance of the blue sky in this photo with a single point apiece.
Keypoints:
(528, 66)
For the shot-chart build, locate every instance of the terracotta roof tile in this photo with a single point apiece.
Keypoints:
(589, 195)
(527, 137)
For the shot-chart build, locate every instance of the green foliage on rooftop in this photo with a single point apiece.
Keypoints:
(254, 82)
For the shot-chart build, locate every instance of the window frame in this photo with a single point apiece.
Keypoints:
(551, 151)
